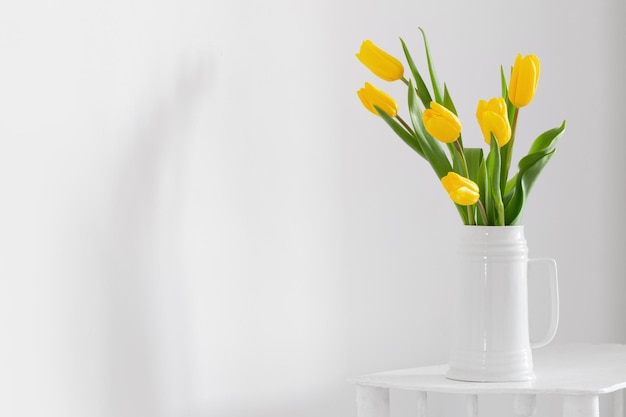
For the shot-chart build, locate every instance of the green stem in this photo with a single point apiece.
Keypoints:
(508, 155)
(470, 211)
(470, 216)
(457, 145)
(406, 126)
(404, 80)
(482, 211)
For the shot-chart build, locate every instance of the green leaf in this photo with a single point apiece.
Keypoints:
(405, 135)
(510, 108)
(508, 187)
(433, 151)
(483, 185)
(493, 174)
(449, 104)
(503, 84)
(474, 158)
(422, 89)
(507, 155)
(457, 162)
(463, 212)
(431, 69)
(548, 139)
(507, 150)
(530, 167)
(454, 154)
(447, 100)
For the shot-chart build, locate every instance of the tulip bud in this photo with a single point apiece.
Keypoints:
(493, 118)
(524, 80)
(380, 62)
(371, 96)
(462, 191)
(441, 123)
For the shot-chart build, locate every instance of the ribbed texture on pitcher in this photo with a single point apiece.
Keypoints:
(491, 337)
(493, 243)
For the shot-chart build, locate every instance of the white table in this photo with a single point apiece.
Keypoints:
(577, 373)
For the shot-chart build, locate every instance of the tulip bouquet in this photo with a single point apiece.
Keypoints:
(479, 186)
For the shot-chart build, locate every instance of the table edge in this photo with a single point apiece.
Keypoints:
(488, 390)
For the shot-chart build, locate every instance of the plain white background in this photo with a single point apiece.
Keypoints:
(198, 218)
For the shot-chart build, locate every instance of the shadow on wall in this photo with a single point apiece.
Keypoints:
(140, 264)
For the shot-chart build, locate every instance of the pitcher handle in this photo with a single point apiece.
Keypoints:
(554, 301)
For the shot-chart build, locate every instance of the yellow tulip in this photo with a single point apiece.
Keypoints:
(524, 80)
(441, 123)
(380, 62)
(371, 96)
(462, 191)
(493, 118)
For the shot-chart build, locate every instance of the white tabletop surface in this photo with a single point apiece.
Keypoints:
(560, 369)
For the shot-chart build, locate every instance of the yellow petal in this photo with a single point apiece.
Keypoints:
(497, 125)
(441, 123)
(380, 62)
(464, 196)
(372, 97)
(461, 190)
(481, 107)
(524, 79)
(514, 77)
(497, 105)
(493, 118)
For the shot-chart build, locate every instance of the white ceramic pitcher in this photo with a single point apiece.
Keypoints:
(491, 340)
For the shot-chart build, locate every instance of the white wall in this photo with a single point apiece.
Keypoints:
(198, 218)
